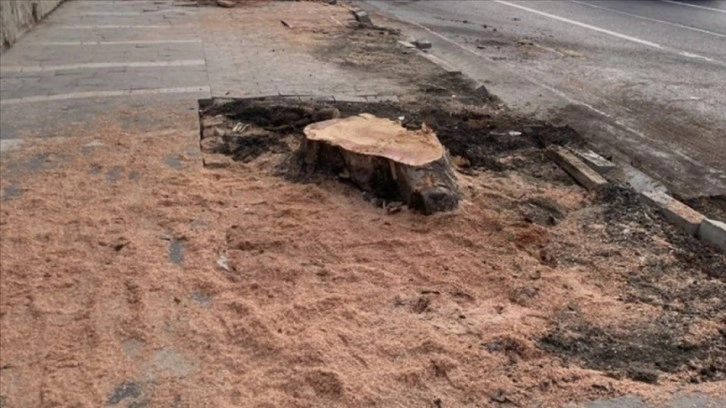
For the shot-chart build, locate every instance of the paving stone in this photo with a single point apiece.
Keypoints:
(406, 44)
(227, 3)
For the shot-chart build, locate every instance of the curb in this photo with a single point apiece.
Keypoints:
(713, 232)
(674, 211)
(594, 160)
(576, 168)
(438, 61)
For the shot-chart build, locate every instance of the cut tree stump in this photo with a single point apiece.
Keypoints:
(385, 159)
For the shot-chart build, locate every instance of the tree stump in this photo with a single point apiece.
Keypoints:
(385, 159)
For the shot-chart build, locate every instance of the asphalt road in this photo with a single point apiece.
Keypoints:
(643, 80)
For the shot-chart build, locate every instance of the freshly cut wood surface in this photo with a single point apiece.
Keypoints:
(370, 135)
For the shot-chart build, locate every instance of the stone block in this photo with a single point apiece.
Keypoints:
(576, 168)
(713, 232)
(674, 211)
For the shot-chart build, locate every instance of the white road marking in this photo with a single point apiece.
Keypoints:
(611, 33)
(693, 5)
(655, 20)
(110, 26)
(695, 56)
(71, 43)
(96, 65)
(517, 69)
(583, 25)
(105, 94)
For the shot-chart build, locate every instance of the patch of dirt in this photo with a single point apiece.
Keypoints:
(631, 221)
(641, 353)
(481, 141)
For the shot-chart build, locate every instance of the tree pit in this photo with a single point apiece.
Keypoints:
(474, 140)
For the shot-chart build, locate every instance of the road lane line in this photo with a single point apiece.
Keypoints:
(96, 65)
(76, 43)
(655, 20)
(611, 33)
(693, 5)
(516, 70)
(695, 56)
(583, 25)
(104, 94)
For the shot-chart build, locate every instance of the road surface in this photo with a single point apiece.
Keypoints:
(644, 81)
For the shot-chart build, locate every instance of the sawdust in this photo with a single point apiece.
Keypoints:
(132, 276)
(232, 287)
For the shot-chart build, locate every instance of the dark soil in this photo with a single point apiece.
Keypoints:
(624, 207)
(481, 140)
(686, 284)
(640, 352)
(713, 207)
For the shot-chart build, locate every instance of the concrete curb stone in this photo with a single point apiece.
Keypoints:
(576, 168)
(594, 160)
(674, 211)
(439, 62)
(713, 232)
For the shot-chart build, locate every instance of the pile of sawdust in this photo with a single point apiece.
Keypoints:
(132, 274)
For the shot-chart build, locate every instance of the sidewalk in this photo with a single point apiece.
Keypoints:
(92, 57)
